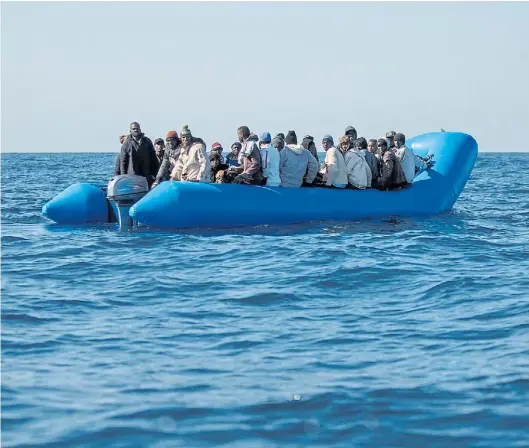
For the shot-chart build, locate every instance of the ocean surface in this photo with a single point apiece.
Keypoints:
(377, 333)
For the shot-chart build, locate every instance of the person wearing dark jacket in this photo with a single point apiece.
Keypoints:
(251, 170)
(159, 149)
(117, 164)
(233, 156)
(216, 160)
(170, 157)
(391, 176)
(138, 156)
(308, 144)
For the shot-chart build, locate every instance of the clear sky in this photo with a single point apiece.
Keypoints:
(74, 75)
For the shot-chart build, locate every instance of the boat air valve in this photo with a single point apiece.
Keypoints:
(125, 191)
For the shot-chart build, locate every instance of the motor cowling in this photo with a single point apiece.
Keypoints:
(124, 191)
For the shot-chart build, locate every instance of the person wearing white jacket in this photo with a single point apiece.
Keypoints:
(193, 164)
(406, 157)
(333, 170)
(358, 171)
(270, 157)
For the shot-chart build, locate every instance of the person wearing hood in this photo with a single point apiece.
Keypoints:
(170, 157)
(350, 131)
(391, 176)
(296, 164)
(405, 156)
(250, 171)
(193, 163)
(309, 145)
(232, 159)
(362, 146)
(333, 171)
(216, 160)
(117, 164)
(137, 155)
(270, 158)
(390, 137)
(358, 171)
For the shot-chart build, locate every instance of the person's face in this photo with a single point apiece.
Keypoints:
(158, 148)
(235, 150)
(344, 146)
(171, 142)
(398, 143)
(391, 141)
(326, 144)
(135, 130)
(358, 145)
(240, 136)
(372, 147)
(381, 147)
(186, 140)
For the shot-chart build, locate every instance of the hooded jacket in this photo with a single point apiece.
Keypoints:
(139, 157)
(391, 173)
(193, 162)
(270, 157)
(372, 162)
(170, 157)
(358, 171)
(407, 161)
(294, 163)
(335, 172)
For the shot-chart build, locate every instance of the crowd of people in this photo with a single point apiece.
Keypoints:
(384, 163)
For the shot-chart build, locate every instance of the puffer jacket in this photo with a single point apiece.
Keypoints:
(407, 161)
(372, 162)
(296, 162)
(139, 157)
(358, 171)
(193, 163)
(169, 160)
(391, 173)
(334, 171)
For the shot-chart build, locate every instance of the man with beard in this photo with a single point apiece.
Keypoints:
(137, 155)
(170, 157)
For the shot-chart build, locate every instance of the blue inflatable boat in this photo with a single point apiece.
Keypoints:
(197, 205)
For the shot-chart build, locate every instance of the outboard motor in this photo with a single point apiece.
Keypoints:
(125, 191)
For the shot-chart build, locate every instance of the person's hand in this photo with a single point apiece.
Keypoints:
(154, 185)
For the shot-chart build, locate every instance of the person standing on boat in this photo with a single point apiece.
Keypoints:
(233, 156)
(170, 157)
(117, 163)
(391, 176)
(137, 155)
(297, 165)
(250, 171)
(405, 156)
(334, 172)
(270, 158)
(193, 163)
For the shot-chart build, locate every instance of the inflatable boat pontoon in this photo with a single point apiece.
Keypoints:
(201, 205)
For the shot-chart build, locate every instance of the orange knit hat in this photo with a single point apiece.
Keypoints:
(172, 134)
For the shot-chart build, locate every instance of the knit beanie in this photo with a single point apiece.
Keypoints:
(400, 137)
(328, 137)
(215, 146)
(265, 137)
(185, 130)
(172, 134)
(159, 141)
(291, 138)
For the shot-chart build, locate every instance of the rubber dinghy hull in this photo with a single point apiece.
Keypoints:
(197, 205)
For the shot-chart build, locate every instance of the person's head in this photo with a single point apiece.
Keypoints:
(243, 133)
(372, 145)
(171, 139)
(122, 138)
(361, 143)
(343, 143)
(159, 146)
(400, 139)
(350, 131)
(327, 142)
(135, 129)
(291, 138)
(217, 147)
(186, 136)
(235, 148)
(390, 137)
(382, 145)
(307, 141)
(281, 135)
(265, 139)
(278, 143)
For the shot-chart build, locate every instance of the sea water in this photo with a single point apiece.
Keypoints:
(393, 332)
